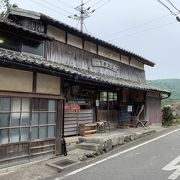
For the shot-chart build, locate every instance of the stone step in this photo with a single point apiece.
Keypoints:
(82, 154)
(91, 146)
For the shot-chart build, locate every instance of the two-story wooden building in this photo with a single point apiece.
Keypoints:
(43, 62)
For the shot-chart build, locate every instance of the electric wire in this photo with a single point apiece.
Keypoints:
(85, 27)
(138, 25)
(87, 1)
(51, 4)
(96, 3)
(173, 13)
(102, 5)
(77, 24)
(51, 9)
(65, 4)
(145, 30)
(173, 5)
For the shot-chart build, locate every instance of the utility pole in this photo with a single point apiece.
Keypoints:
(83, 14)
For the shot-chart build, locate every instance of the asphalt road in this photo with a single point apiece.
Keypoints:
(142, 161)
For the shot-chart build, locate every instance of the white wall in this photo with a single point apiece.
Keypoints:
(74, 41)
(47, 84)
(102, 51)
(56, 33)
(15, 80)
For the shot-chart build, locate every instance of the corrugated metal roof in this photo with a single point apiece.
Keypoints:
(41, 62)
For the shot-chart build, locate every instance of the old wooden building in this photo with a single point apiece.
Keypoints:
(54, 77)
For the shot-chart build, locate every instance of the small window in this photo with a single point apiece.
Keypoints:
(33, 47)
(10, 41)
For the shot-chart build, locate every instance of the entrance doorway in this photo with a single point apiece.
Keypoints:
(108, 107)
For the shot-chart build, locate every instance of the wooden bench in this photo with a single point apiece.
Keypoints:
(87, 128)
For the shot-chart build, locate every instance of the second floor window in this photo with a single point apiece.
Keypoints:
(17, 43)
(32, 47)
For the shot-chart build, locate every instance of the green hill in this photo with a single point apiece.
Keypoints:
(173, 85)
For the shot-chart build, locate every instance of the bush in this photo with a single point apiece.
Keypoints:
(167, 116)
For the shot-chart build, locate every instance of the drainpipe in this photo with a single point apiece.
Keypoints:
(64, 150)
(168, 95)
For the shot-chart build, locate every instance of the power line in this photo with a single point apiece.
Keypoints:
(138, 25)
(65, 4)
(51, 9)
(77, 24)
(87, 1)
(97, 3)
(145, 30)
(102, 5)
(85, 27)
(57, 7)
(173, 13)
(83, 14)
(173, 5)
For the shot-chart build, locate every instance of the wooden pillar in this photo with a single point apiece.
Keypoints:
(108, 106)
(59, 126)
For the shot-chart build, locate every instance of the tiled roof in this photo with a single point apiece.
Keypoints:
(49, 20)
(13, 56)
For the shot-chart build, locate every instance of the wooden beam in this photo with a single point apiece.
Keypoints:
(30, 95)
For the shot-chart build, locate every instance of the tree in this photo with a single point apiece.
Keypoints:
(4, 6)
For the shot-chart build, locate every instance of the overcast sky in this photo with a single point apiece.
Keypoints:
(142, 26)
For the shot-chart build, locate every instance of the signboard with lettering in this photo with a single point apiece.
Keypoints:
(104, 64)
(72, 108)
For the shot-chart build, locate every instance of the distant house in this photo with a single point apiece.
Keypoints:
(54, 77)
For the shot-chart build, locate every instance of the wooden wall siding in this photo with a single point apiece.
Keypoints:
(75, 57)
(153, 110)
(13, 152)
(73, 119)
(42, 148)
(33, 25)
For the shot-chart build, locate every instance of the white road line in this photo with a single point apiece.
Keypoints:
(113, 156)
(173, 165)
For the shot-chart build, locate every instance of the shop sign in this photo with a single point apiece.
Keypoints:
(104, 64)
(129, 108)
(72, 108)
(97, 103)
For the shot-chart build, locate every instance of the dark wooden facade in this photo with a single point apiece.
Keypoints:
(153, 110)
(75, 57)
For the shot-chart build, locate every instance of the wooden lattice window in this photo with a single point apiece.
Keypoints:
(25, 119)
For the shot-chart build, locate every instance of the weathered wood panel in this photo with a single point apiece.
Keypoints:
(153, 110)
(75, 57)
(73, 119)
(13, 153)
(41, 148)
